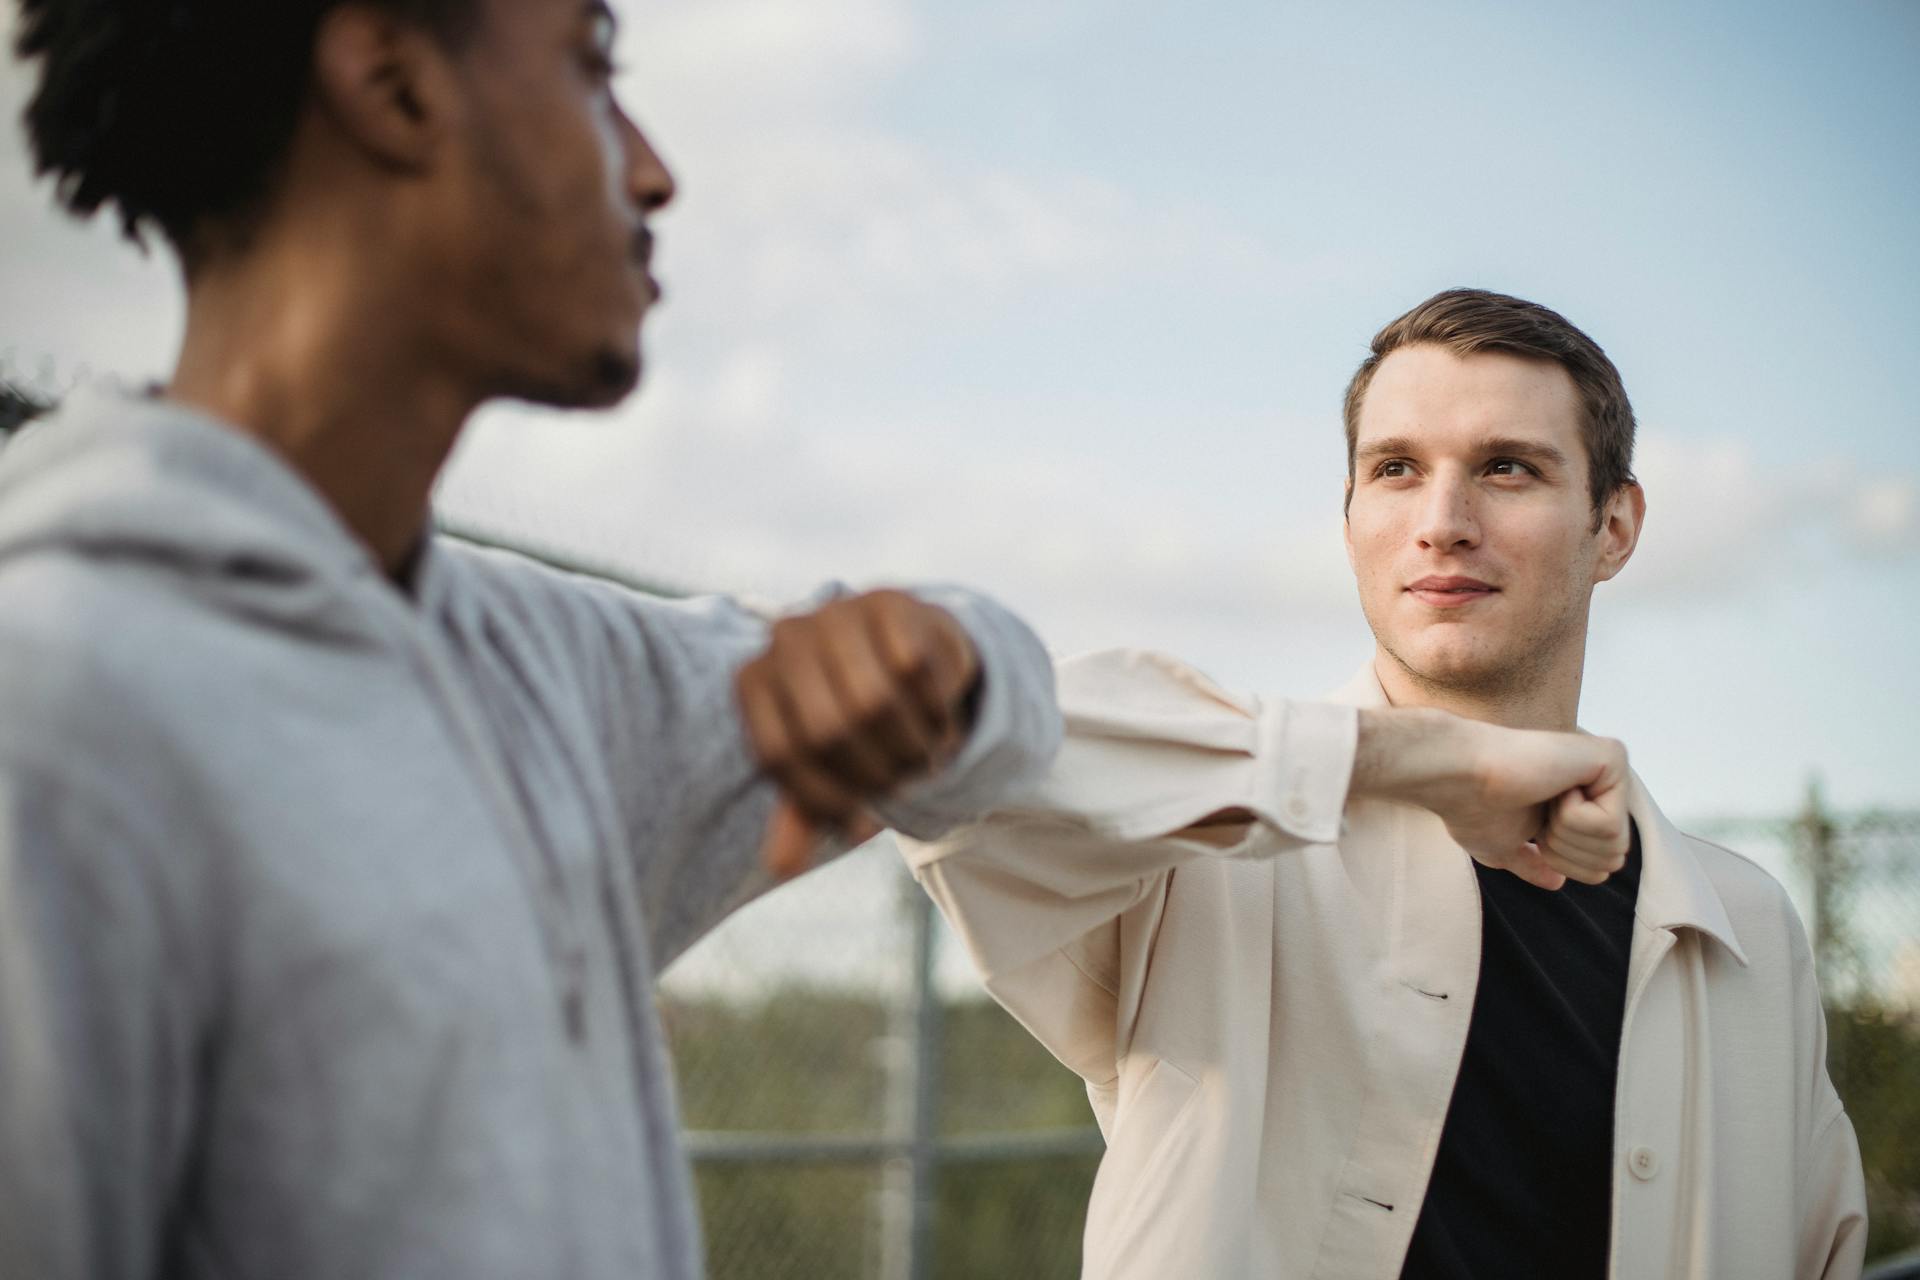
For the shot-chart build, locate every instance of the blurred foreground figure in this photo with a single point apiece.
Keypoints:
(336, 860)
(1332, 1029)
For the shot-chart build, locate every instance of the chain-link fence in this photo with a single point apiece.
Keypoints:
(1856, 879)
(856, 1109)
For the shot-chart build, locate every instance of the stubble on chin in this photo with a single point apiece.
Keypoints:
(1478, 676)
(1486, 667)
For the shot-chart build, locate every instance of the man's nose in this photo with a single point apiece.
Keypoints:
(1447, 516)
(649, 184)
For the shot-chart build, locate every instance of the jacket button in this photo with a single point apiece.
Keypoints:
(1644, 1162)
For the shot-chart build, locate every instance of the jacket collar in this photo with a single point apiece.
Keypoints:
(1675, 891)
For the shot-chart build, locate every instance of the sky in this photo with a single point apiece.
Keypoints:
(1058, 299)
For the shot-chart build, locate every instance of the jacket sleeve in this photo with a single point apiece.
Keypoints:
(1042, 893)
(1833, 1232)
(96, 1042)
(1833, 1196)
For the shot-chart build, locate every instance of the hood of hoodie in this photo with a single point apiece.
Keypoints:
(139, 480)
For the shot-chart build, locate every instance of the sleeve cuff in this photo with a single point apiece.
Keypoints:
(1305, 754)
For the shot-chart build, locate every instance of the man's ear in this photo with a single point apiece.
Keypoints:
(1619, 533)
(386, 83)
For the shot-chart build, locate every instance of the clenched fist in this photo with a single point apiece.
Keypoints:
(1549, 807)
(847, 704)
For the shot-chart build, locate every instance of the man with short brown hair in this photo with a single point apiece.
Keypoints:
(1325, 1032)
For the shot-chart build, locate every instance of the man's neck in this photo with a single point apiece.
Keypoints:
(309, 362)
(1544, 700)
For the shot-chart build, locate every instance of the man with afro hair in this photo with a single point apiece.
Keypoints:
(337, 858)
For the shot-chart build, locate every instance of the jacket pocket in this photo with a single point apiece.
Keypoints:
(1151, 1135)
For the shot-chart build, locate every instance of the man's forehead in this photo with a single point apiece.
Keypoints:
(1430, 393)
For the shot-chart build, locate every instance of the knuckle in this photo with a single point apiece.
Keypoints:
(871, 698)
(913, 661)
(873, 713)
(822, 735)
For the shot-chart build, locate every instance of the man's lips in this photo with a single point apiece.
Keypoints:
(1450, 592)
(643, 261)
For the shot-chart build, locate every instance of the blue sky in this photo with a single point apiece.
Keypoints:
(1058, 298)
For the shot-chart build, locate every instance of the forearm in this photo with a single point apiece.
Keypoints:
(1414, 755)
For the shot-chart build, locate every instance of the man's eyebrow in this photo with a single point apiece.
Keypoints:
(1515, 447)
(1386, 447)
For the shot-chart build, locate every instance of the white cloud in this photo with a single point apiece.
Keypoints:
(1720, 521)
(758, 66)
(802, 207)
(1886, 515)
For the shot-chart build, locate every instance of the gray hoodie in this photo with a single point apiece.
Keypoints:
(329, 916)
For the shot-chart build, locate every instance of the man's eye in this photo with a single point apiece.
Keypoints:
(1509, 467)
(1392, 469)
(604, 28)
(599, 54)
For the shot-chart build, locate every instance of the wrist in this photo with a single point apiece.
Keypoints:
(1412, 754)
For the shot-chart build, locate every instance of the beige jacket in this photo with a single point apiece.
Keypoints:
(1270, 1031)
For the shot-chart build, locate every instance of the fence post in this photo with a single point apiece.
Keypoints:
(1816, 855)
(1826, 877)
(913, 1098)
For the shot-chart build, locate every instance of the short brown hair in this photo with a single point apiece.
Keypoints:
(1465, 321)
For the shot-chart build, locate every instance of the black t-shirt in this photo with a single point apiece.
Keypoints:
(1523, 1183)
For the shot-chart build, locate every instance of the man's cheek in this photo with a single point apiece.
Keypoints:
(613, 165)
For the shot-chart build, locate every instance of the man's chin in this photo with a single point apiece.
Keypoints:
(616, 374)
(600, 382)
(1444, 667)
